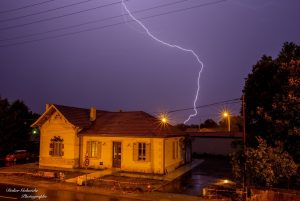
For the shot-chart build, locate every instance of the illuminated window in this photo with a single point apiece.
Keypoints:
(56, 146)
(93, 148)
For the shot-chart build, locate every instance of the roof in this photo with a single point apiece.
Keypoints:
(137, 123)
(131, 124)
(79, 117)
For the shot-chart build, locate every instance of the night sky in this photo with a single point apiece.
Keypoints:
(63, 52)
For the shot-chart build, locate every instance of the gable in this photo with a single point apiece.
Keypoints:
(52, 113)
(58, 123)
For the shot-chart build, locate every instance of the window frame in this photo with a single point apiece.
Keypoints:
(142, 151)
(56, 147)
(94, 149)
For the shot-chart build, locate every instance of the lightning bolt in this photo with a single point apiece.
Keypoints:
(176, 47)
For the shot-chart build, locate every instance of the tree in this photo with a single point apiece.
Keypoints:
(15, 121)
(209, 123)
(272, 99)
(265, 165)
(272, 108)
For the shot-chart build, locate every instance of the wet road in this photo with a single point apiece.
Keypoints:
(13, 192)
(201, 176)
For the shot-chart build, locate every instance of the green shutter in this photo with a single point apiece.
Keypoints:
(135, 151)
(148, 152)
(99, 149)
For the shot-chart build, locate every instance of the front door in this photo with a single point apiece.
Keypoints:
(117, 154)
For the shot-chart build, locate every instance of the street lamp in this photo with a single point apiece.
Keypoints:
(163, 118)
(227, 115)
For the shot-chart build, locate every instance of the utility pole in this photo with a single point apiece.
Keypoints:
(244, 146)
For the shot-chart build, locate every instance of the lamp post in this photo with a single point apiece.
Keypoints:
(227, 115)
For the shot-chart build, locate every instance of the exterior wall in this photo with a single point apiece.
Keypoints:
(57, 126)
(172, 162)
(212, 145)
(155, 165)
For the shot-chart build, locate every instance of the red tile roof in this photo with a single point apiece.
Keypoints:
(114, 123)
(131, 124)
(79, 117)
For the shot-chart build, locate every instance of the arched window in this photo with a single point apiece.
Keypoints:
(56, 146)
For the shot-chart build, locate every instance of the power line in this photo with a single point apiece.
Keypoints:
(59, 16)
(232, 101)
(112, 25)
(23, 7)
(45, 11)
(91, 22)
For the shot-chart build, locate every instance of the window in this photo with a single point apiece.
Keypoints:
(93, 148)
(141, 151)
(56, 146)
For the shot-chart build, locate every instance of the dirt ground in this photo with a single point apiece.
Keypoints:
(127, 183)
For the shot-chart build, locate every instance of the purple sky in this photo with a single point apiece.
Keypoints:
(120, 67)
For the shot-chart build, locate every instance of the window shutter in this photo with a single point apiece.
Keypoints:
(176, 154)
(135, 151)
(173, 146)
(50, 153)
(88, 148)
(148, 152)
(62, 145)
(51, 145)
(99, 149)
(62, 153)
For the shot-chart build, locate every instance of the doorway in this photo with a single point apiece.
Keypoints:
(117, 154)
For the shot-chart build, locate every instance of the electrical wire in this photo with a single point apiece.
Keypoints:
(59, 16)
(91, 22)
(23, 7)
(45, 11)
(112, 25)
(231, 101)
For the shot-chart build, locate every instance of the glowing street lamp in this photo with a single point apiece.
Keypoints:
(227, 115)
(163, 118)
(35, 131)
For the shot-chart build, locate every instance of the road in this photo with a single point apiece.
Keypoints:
(201, 176)
(9, 193)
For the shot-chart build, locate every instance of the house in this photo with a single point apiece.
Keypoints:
(210, 141)
(129, 141)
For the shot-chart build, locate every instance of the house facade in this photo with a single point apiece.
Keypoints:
(128, 141)
(207, 141)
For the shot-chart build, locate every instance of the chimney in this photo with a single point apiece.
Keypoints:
(93, 113)
(47, 106)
